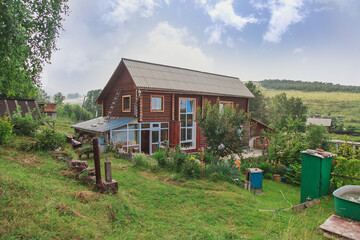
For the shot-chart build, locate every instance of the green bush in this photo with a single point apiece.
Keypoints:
(179, 159)
(24, 126)
(294, 175)
(143, 161)
(348, 168)
(224, 172)
(25, 144)
(6, 129)
(49, 140)
(191, 168)
(160, 158)
(268, 176)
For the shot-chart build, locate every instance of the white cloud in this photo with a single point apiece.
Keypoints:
(122, 10)
(214, 34)
(175, 46)
(299, 50)
(224, 12)
(283, 14)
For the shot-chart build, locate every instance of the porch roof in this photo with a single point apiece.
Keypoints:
(99, 125)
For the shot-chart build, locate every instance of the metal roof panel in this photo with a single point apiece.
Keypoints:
(150, 75)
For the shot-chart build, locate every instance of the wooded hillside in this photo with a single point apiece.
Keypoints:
(277, 84)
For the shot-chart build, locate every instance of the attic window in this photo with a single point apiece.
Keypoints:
(126, 102)
(157, 103)
(223, 103)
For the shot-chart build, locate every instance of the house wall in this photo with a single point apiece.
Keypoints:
(127, 86)
(170, 114)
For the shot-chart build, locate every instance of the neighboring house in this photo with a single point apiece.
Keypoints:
(9, 106)
(255, 141)
(145, 104)
(319, 122)
(49, 109)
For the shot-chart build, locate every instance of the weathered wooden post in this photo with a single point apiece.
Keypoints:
(97, 161)
(108, 177)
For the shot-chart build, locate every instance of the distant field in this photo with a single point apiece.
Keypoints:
(339, 104)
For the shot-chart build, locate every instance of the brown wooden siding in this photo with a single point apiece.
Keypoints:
(241, 102)
(127, 86)
(149, 116)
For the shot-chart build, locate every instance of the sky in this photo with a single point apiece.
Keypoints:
(308, 40)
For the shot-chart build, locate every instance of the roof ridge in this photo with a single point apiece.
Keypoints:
(181, 68)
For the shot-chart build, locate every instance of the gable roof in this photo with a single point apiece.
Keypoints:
(156, 76)
(319, 121)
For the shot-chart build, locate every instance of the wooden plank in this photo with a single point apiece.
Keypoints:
(7, 107)
(306, 205)
(341, 227)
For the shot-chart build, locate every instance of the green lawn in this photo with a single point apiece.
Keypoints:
(38, 201)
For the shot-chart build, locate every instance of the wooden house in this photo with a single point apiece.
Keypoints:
(49, 109)
(145, 104)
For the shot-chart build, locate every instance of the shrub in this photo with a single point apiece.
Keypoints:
(294, 175)
(143, 161)
(6, 129)
(25, 144)
(24, 126)
(179, 159)
(224, 172)
(268, 176)
(160, 158)
(49, 140)
(348, 168)
(208, 157)
(191, 168)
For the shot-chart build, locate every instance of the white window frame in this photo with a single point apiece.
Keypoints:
(193, 127)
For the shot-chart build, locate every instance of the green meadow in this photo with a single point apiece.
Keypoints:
(343, 105)
(41, 199)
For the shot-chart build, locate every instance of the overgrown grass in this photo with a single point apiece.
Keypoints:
(38, 198)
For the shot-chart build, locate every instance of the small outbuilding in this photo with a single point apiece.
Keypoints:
(327, 122)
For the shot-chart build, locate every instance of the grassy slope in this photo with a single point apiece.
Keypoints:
(35, 197)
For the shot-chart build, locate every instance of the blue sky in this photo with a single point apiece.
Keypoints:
(309, 40)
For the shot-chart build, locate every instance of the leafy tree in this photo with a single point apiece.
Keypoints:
(89, 103)
(307, 86)
(42, 96)
(316, 137)
(257, 104)
(281, 108)
(28, 32)
(59, 98)
(224, 129)
(72, 112)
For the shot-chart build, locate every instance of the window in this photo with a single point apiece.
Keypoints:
(157, 103)
(126, 103)
(187, 123)
(224, 103)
